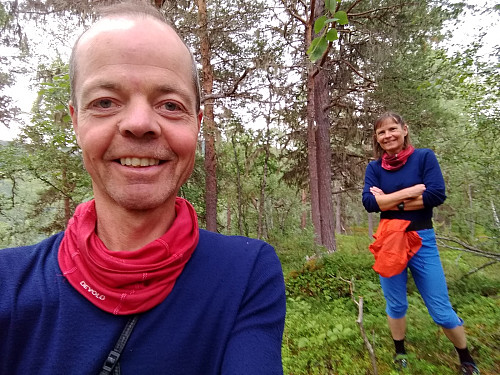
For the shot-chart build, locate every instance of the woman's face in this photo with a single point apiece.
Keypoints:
(391, 136)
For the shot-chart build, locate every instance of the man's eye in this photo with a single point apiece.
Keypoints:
(103, 103)
(170, 106)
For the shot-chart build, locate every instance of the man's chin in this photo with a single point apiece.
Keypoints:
(142, 202)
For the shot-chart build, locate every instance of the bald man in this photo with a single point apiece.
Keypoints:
(133, 285)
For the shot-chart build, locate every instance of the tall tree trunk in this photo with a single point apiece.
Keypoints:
(338, 213)
(238, 186)
(472, 221)
(496, 221)
(209, 128)
(324, 158)
(261, 230)
(311, 141)
(370, 225)
(319, 148)
(303, 219)
(228, 219)
(262, 233)
(66, 189)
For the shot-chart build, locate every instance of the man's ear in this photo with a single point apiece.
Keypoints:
(200, 117)
(73, 112)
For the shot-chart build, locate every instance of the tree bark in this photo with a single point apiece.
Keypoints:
(471, 206)
(370, 225)
(209, 128)
(303, 219)
(495, 214)
(311, 141)
(67, 200)
(338, 214)
(324, 152)
(228, 216)
(324, 159)
(238, 186)
(261, 230)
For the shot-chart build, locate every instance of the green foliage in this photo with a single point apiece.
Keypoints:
(18, 193)
(44, 166)
(244, 163)
(326, 27)
(53, 155)
(294, 248)
(316, 336)
(462, 127)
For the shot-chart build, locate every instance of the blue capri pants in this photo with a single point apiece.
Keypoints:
(428, 274)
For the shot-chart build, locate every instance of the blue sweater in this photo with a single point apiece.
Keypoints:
(421, 167)
(225, 315)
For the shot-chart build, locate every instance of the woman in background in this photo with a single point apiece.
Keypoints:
(404, 184)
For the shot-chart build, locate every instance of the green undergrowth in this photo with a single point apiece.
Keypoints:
(321, 334)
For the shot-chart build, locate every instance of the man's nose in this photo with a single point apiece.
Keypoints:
(140, 121)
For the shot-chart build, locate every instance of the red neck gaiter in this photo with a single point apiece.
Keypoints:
(394, 162)
(126, 282)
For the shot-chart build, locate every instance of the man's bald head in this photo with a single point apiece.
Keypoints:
(126, 11)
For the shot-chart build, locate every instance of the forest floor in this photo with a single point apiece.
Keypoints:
(321, 334)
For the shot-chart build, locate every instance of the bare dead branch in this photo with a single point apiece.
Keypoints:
(371, 11)
(293, 13)
(231, 92)
(359, 322)
(368, 345)
(481, 267)
(467, 248)
(356, 71)
(352, 5)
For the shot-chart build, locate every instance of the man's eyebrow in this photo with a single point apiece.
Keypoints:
(100, 84)
(169, 89)
(158, 89)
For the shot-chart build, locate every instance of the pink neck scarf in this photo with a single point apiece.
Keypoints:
(126, 282)
(394, 162)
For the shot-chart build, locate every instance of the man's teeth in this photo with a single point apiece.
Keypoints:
(139, 162)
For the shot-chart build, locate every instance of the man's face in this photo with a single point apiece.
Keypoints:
(136, 119)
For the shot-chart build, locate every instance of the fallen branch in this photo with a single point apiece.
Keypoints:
(359, 322)
(470, 249)
(481, 267)
(467, 248)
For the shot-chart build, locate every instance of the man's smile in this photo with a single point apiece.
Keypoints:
(139, 162)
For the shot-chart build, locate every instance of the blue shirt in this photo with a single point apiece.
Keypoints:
(225, 315)
(421, 167)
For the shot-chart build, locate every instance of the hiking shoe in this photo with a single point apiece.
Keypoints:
(401, 361)
(469, 369)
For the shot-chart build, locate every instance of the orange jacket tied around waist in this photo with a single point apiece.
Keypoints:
(393, 246)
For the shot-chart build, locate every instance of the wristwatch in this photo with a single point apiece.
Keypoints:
(401, 206)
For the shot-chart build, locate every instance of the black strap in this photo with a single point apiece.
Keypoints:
(111, 362)
(420, 224)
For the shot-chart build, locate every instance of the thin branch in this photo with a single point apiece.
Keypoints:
(356, 71)
(353, 5)
(467, 248)
(43, 179)
(359, 322)
(480, 268)
(368, 345)
(293, 13)
(376, 10)
(231, 92)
